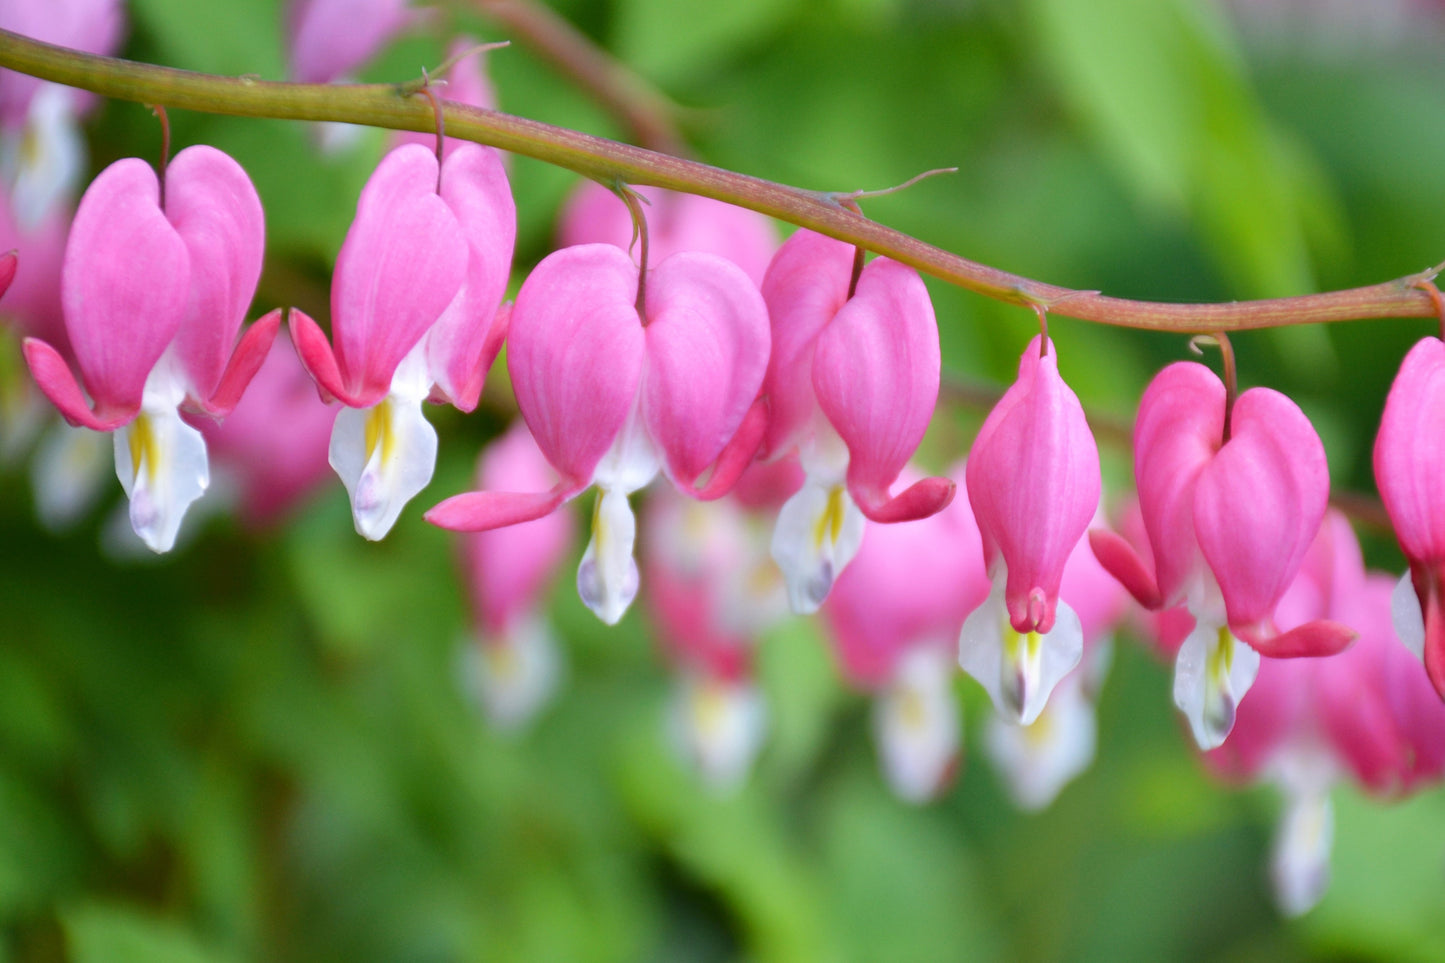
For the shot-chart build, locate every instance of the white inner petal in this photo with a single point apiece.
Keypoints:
(1300, 863)
(1036, 761)
(161, 463)
(68, 474)
(607, 577)
(44, 164)
(818, 532)
(1018, 670)
(1406, 615)
(385, 454)
(1211, 674)
(512, 677)
(718, 727)
(917, 726)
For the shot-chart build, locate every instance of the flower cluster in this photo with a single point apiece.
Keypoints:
(791, 387)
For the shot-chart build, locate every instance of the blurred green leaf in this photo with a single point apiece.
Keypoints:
(106, 933)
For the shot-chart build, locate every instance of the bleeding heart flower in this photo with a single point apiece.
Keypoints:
(1229, 522)
(1410, 473)
(612, 397)
(149, 343)
(42, 151)
(711, 591)
(414, 306)
(1310, 722)
(515, 661)
(852, 383)
(1033, 480)
(894, 616)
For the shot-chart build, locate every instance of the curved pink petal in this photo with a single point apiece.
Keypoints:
(508, 569)
(124, 284)
(8, 262)
(575, 353)
(805, 286)
(485, 511)
(1410, 452)
(57, 382)
(1033, 480)
(215, 209)
(466, 338)
(875, 375)
(32, 301)
(316, 356)
(1179, 428)
(736, 457)
(250, 354)
(707, 351)
(1258, 505)
(403, 261)
(1120, 559)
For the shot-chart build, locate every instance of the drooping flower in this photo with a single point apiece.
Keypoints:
(150, 343)
(676, 223)
(1036, 761)
(513, 659)
(42, 152)
(1228, 523)
(1309, 723)
(852, 383)
(613, 396)
(1033, 480)
(415, 314)
(711, 591)
(1410, 473)
(894, 616)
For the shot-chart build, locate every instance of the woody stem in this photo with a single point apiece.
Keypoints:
(390, 106)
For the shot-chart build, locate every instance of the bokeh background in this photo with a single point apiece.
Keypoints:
(257, 747)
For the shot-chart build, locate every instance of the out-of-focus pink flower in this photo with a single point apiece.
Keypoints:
(415, 314)
(1309, 722)
(271, 450)
(517, 661)
(675, 223)
(613, 397)
(150, 342)
(894, 615)
(1036, 761)
(852, 383)
(1228, 523)
(1033, 481)
(331, 39)
(711, 590)
(42, 154)
(1410, 473)
(32, 302)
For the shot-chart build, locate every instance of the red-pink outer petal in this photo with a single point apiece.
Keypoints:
(707, 350)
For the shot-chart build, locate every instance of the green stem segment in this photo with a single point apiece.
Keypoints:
(391, 106)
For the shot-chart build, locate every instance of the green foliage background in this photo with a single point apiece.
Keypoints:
(257, 748)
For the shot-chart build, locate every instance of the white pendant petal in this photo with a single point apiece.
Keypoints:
(1018, 670)
(161, 462)
(607, 578)
(917, 726)
(718, 727)
(819, 530)
(384, 456)
(1037, 761)
(513, 676)
(1300, 864)
(45, 163)
(1211, 674)
(68, 474)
